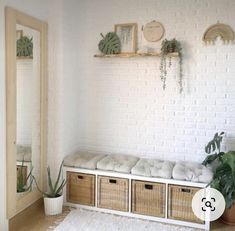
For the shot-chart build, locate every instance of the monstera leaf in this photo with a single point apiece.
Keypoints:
(110, 44)
(24, 46)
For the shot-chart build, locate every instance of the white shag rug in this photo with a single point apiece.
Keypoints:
(84, 220)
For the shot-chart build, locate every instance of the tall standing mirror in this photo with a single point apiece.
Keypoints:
(26, 78)
(27, 108)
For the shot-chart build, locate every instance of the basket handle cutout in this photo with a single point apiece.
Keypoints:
(111, 181)
(148, 186)
(186, 190)
(80, 177)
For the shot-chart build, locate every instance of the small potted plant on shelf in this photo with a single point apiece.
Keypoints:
(53, 197)
(24, 181)
(224, 175)
(168, 47)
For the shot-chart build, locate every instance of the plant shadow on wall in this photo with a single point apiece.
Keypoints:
(224, 174)
(167, 47)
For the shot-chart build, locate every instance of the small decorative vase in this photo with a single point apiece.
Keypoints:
(53, 206)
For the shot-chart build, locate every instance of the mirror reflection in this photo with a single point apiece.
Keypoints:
(28, 107)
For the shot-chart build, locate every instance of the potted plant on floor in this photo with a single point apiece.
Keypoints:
(224, 175)
(53, 198)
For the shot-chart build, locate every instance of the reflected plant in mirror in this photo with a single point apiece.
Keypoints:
(24, 181)
(24, 47)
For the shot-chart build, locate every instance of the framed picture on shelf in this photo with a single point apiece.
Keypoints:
(127, 34)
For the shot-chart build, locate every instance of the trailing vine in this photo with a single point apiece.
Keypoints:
(170, 46)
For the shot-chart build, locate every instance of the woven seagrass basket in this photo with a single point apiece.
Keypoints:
(148, 198)
(113, 193)
(81, 188)
(180, 203)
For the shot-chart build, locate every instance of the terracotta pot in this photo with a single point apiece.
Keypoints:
(229, 216)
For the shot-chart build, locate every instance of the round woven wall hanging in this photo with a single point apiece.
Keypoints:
(153, 31)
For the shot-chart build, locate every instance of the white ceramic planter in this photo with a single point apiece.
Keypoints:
(53, 206)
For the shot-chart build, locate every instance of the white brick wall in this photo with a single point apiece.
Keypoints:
(118, 105)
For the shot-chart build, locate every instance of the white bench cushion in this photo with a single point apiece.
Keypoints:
(191, 171)
(83, 159)
(118, 163)
(153, 168)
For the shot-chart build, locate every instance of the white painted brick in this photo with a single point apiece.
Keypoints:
(118, 105)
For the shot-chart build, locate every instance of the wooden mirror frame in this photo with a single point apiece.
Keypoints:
(12, 18)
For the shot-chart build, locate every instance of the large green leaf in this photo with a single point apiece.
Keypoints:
(223, 180)
(215, 183)
(222, 171)
(215, 143)
(210, 158)
(110, 44)
(229, 158)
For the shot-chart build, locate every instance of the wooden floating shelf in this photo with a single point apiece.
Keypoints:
(24, 57)
(134, 55)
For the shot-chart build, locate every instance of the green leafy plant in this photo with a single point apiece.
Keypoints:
(24, 47)
(167, 47)
(110, 44)
(54, 189)
(224, 175)
(224, 178)
(23, 179)
(213, 149)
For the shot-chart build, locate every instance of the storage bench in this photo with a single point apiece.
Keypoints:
(123, 193)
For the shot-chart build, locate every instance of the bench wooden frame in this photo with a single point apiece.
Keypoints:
(130, 177)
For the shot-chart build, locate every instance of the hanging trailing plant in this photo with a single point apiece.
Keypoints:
(24, 47)
(170, 46)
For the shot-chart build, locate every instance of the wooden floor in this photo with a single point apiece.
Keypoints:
(219, 226)
(33, 219)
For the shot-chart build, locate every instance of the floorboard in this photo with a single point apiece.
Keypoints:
(34, 219)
